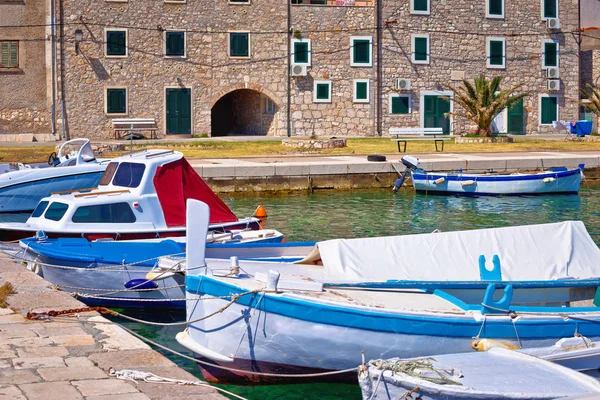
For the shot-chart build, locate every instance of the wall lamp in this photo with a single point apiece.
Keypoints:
(78, 38)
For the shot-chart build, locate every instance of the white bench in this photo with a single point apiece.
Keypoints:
(131, 125)
(424, 133)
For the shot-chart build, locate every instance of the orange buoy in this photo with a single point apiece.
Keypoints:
(260, 212)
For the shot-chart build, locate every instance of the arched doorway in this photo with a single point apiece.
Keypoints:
(243, 112)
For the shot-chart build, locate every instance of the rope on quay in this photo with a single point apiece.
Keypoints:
(136, 375)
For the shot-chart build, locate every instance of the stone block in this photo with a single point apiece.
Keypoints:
(130, 359)
(99, 387)
(47, 351)
(125, 396)
(176, 392)
(256, 170)
(18, 376)
(327, 168)
(6, 311)
(33, 341)
(80, 362)
(7, 353)
(71, 373)
(25, 277)
(38, 362)
(73, 340)
(289, 169)
(486, 164)
(50, 300)
(114, 337)
(522, 164)
(50, 391)
(218, 171)
(10, 392)
(370, 168)
(64, 330)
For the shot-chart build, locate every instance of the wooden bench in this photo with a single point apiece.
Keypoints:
(131, 125)
(424, 133)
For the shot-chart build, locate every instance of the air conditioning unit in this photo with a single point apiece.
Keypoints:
(553, 84)
(553, 23)
(552, 73)
(298, 70)
(402, 84)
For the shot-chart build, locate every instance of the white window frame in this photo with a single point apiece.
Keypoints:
(542, 10)
(175, 1)
(315, 100)
(106, 30)
(309, 63)
(184, 43)
(544, 67)
(494, 16)
(239, 3)
(116, 1)
(106, 88)
(352, 39)
(393, 95)
(229, 45)
(357, 100)
(412, 48)
(488, 52)
(419, 12)
(447, 93)
(540, 97)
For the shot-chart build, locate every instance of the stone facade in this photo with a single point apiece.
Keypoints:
(25, 100)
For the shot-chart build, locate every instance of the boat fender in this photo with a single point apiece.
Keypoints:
(41, 235)
(486, 344)
(548, 180)
(140, 284)
(272, 280)
(439, 180)
(468, 183)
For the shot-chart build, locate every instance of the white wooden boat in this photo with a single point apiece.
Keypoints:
(496, 374)
(140, 196)
(21, 188)
(407, 296)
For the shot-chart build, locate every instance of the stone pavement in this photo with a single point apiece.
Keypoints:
(68, 357)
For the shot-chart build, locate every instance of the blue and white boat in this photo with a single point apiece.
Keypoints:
(404, 296)
(21, 189)
(497, 374)
(554, 180)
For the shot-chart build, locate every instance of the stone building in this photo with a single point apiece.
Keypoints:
(25, 73)
(310, 67)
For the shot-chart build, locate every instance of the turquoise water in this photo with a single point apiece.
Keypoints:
(326, 215)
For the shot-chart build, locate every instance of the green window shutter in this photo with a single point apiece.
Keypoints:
(116, 101)
(421, 48)
(400, 105)
(550, 9)
(496, 52)
(175, 44)
(322, 91)
(116, 43)
(549, 110)
(550, 54)
(361, 51)
(362, 92)
(301, 52)
(420, 5)
(238, 44)
(9, 54)
(495, 7)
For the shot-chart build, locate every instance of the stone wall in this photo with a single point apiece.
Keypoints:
(590, 73)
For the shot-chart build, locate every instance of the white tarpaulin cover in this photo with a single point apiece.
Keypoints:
(535, 252)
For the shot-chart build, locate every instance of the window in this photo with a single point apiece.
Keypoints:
(56, 211)
(361, 91)
(419, 7)
(239, 1)
(239, 44)
(494, 9)
(175, 45)
(9, 54)
(301, 51)
(109, 172)
(39, 209)
(399, 104)
(104, 213)
(116, 42)
(548, 109)
(129, 174)
(549, 9)
(116, 101)
(322, 92)
(270, 107)
(496, 53)
(420, 49)
(360, 51)
(549, 54)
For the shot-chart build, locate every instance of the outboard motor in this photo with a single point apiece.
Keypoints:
(411, 163)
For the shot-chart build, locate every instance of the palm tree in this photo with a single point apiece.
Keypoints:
(484, 101)
(593, 99)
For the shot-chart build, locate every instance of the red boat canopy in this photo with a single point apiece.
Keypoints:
(176, 182)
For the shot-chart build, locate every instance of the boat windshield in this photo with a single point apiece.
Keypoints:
(87, 153)
(104, 213)
(129, 175)
(108, 173)
(56, 211)
(39, 210)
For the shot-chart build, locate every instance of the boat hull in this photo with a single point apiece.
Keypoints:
(516, 184)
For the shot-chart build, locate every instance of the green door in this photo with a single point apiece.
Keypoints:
(179, 111)
(435, 107)
(516, 118)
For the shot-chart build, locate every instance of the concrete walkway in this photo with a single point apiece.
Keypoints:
(67, 358)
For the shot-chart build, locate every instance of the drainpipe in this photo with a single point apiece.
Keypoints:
(65, 132)
(378, 83)
(287, 63)
(53, 66)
